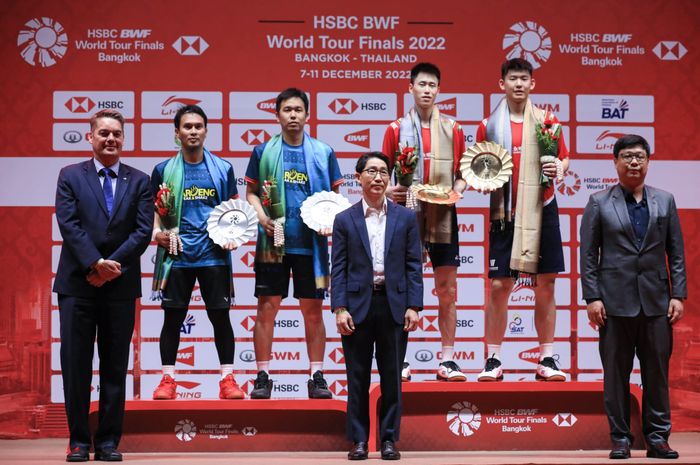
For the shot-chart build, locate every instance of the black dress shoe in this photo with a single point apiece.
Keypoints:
(389, 451)
(77, 454)
(358, 451)
(620, 450)
(108, 454)
(661, 450)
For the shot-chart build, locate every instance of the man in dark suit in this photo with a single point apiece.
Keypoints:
(104, 210)
(628, 234)
(376, 292)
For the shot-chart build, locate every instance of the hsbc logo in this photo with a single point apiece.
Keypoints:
(255, 136)
(190, 45)
(564, 420)
(337, 355)
(248, 322)
(360, 138)
(248, 386)
(449, 106)
(80, 104)
(339, 388)
(186, 356)
(343, 106)
(248, 259)
(249, 431)
(671, 50)
(269, 105)
(428, 323)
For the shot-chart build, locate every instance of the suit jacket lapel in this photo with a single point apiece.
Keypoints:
(622, 214)
(94, 182)
(122, 185)
(391, 215)
(653, 206)
(358, 218)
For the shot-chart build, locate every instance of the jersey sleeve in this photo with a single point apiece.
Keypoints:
(481, 131)
(334, 173)
(459, 148)
(252, 173)
(391, 144)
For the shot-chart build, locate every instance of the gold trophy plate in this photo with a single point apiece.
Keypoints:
(435, 194)
(486, 166)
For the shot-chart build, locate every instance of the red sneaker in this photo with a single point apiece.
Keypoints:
(166, 389)
(228, 389)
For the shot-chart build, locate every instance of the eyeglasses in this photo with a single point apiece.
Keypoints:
(373, 172)
(627, 157)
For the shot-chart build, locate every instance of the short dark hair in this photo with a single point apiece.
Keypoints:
(427, 68)
(630, 140)
(196, 109)
(106, 113)
(515, 64)
(362, 161)
(291, 93)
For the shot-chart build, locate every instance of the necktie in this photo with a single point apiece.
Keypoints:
(107, 187)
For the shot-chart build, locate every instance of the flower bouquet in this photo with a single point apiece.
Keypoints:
(405, 165)
(547, 134)
(164, 204)
(270, 198)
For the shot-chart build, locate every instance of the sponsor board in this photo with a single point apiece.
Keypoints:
(255, 105)
(244, 137)
(615, 108)
(58, 397)
(161, 137)
(601, 139)
(189, 386)
(73, 137)
(554, 103)
(470, 324)
(521, 324)
(354, 138)
(525, 355)
(56, 355)
(428, 355)
(588, 357)
(82, 104)
(523, 295)
(347, 106)
(190, 356)
(584, 328)
(195, 325)
(164, 104)
(471, 292)
(243, 258)
(459, 107)
(284, 356)
(565, 228)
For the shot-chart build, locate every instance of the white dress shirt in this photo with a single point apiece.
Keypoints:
(376, 227)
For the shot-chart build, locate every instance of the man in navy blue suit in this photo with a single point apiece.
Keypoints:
(104, 210)
(376, 294)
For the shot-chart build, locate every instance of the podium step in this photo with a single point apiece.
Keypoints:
(505, 416)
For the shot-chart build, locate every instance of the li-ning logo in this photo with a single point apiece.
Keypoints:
(185, 430)
(564, 420)
(360, 138)
(172, 104)
(528, 40)
(255, 136)
(80, 104)
(42, 42)
(343, 106)
(190, 45)
(570, 185)
(463, 419)
(670, 50)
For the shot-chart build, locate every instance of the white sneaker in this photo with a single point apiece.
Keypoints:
(450, 371)
(547, 370)
(406, 372)
(492, 371)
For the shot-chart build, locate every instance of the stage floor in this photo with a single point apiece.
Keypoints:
(48, 451)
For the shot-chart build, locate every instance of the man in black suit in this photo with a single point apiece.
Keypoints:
(376, 292)
(104, 210)
(628, 234)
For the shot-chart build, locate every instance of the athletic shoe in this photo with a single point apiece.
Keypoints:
(229, 389)
(492, 371)
(547, 370)
(166, 390)
(262, 386)
(449, 371)
(318, 387)
(406, 372)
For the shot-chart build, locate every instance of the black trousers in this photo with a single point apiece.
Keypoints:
(112, 323)
(381, 331)
(651, 339)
